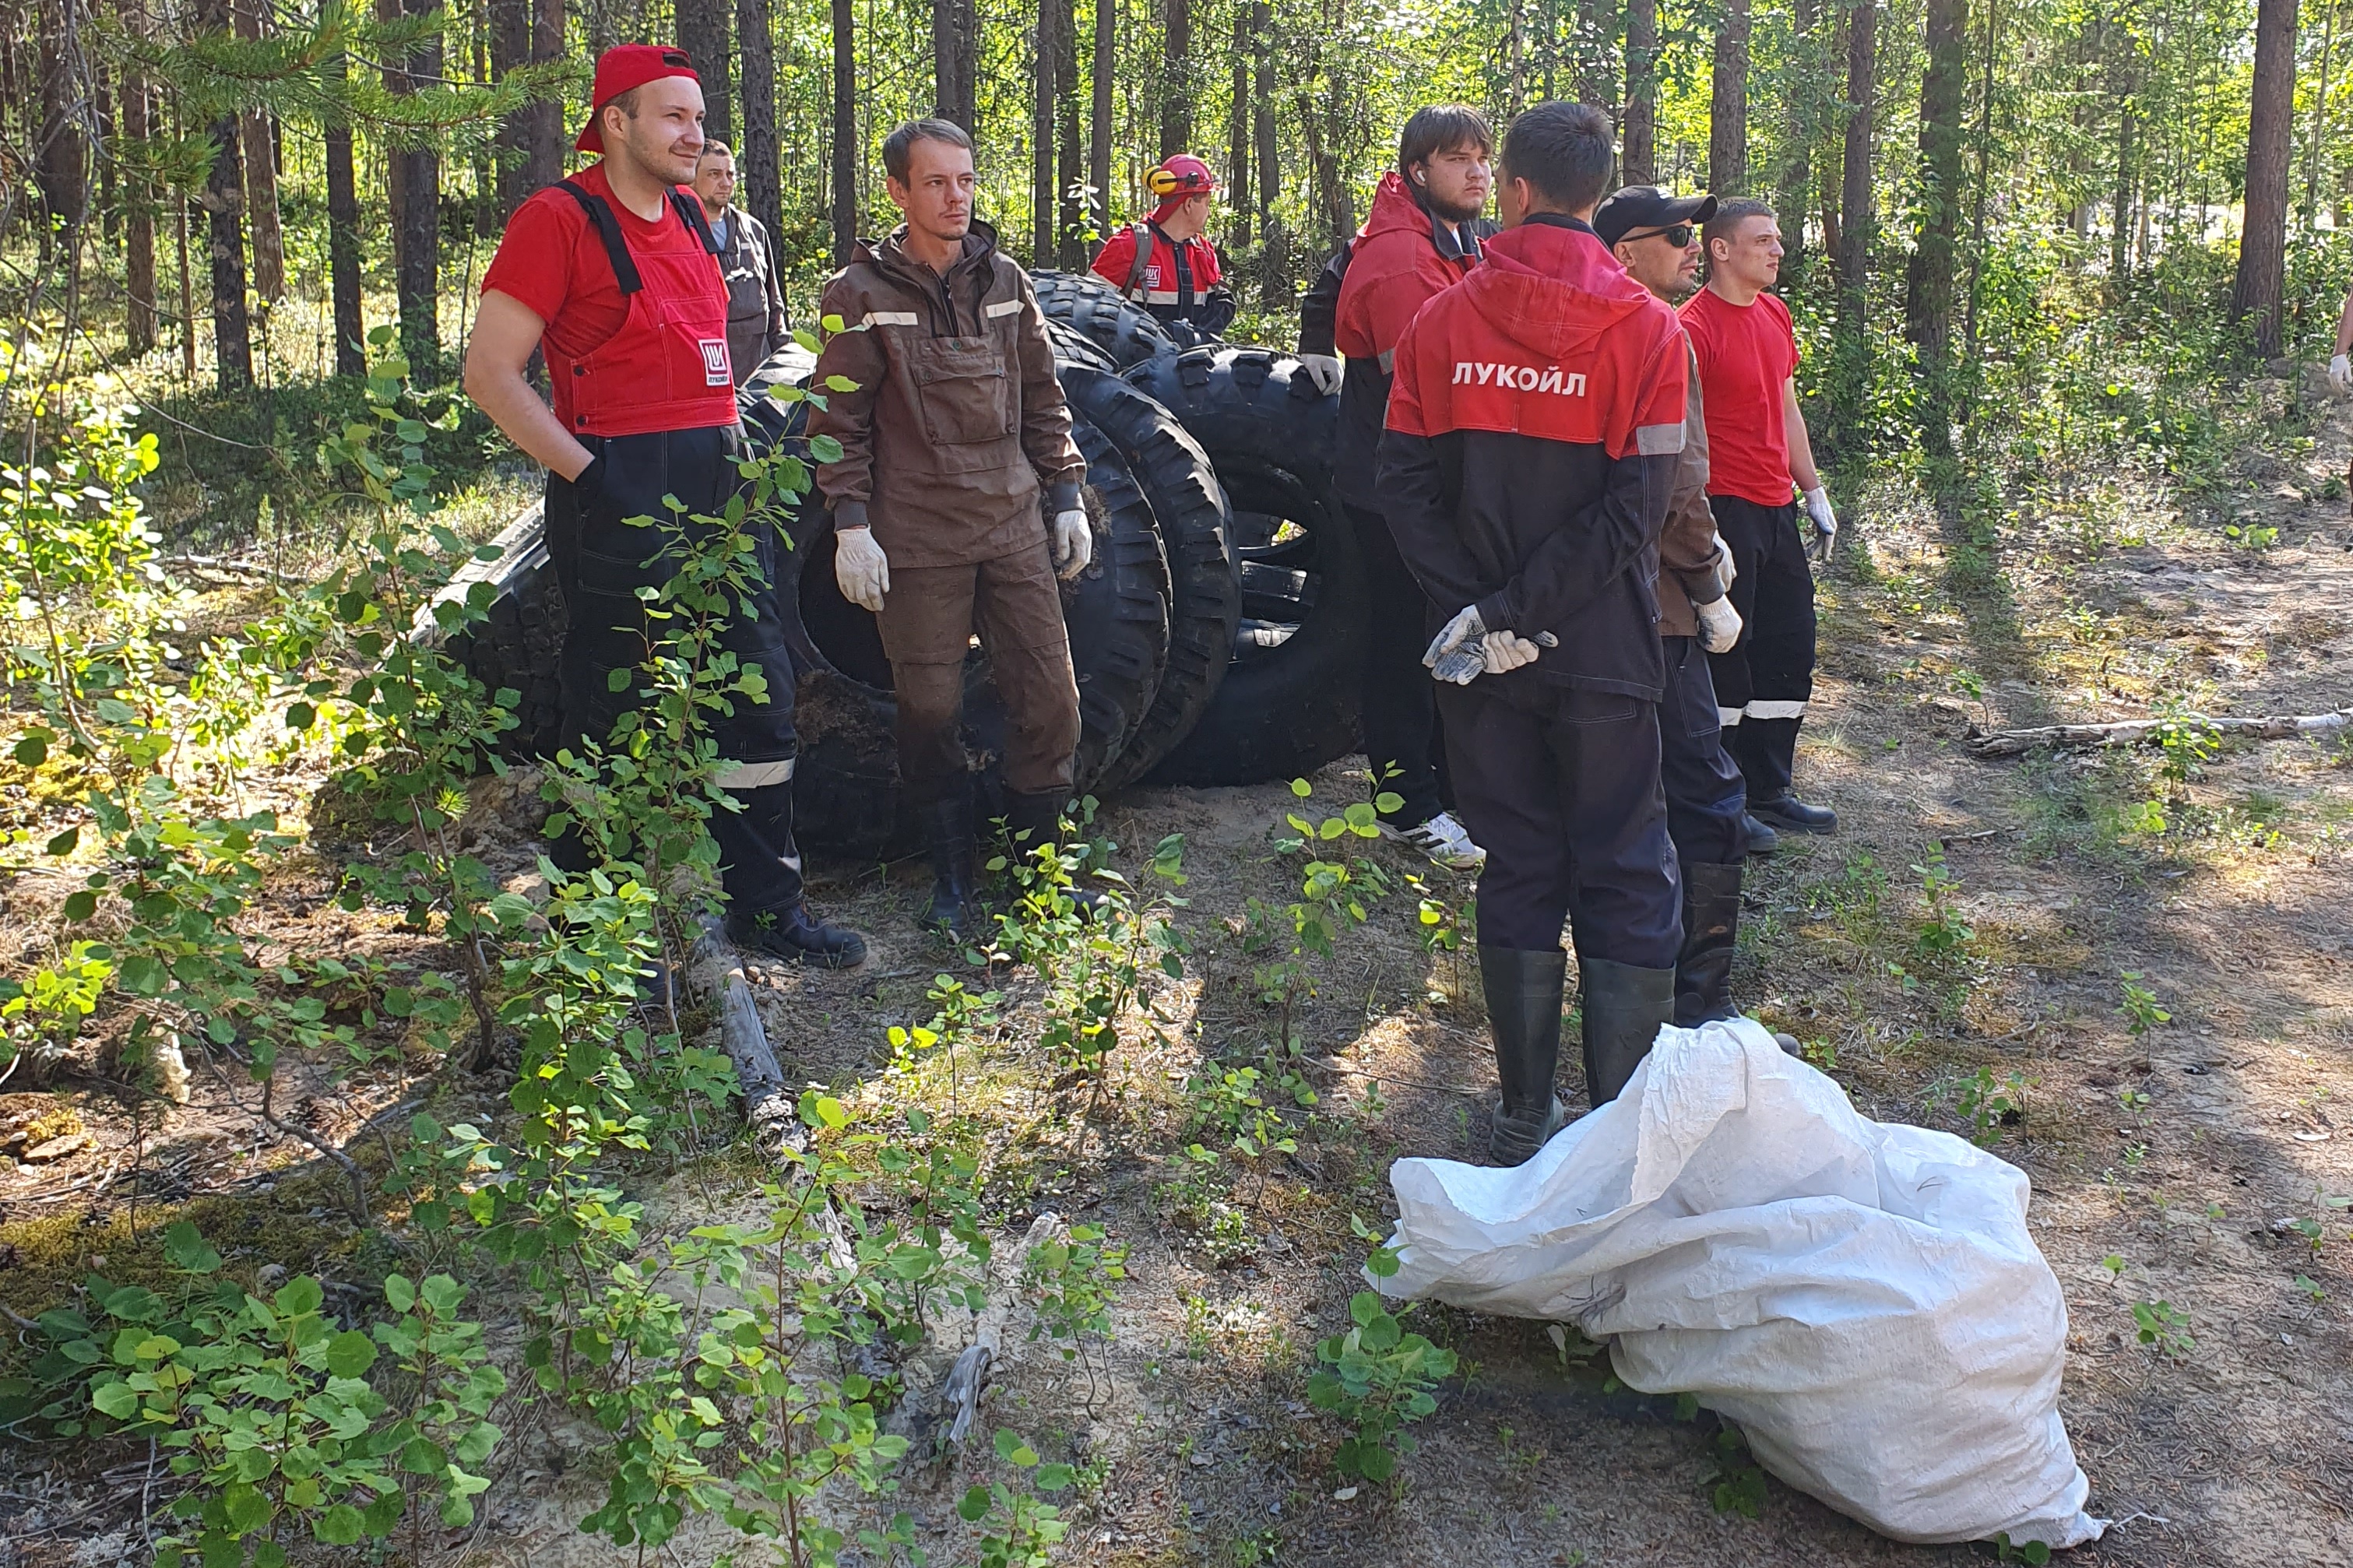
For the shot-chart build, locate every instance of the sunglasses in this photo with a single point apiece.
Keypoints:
(1678, 235)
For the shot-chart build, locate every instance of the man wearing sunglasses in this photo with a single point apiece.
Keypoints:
(1654, 236)
(1167, 263)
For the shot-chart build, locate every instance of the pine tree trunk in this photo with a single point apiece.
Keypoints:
(951, 60)
(1854, 196)
(1727, 111)
(545, 142)
(1041, 138)
(1237, 129)
(138, 225)
(510, 46)
(187, 299)
(416, 179)
(1070, 154)
(2256, 294)
(1176, 81)
(343, 252)
(1793, 186)
(2121, 202)
(224, 202)
(1275, 245)
(1638, 163)
(261, 179)
(1928, 288)
(845, 131)
(61, 158)
(756, 155)
(702, 34)
(1098, 128)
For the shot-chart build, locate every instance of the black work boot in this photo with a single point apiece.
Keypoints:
(1791, 814)
(1525, 990)
(1762, 840)
(1710, 929)
(1623, 1009)
(955, 903)
(794, 934)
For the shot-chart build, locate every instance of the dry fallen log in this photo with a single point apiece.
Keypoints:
(715, 971)
(2145, 731)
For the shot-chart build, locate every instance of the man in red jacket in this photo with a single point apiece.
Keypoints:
(612, 275)
(1535, 428)
(1423, 236)
(1167, 263)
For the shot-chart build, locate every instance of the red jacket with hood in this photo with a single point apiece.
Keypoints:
(1401, 259)
(1533, 429)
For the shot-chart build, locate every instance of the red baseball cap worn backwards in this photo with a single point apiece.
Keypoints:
(625, 66)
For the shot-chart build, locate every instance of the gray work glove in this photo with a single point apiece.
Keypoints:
(861, 568)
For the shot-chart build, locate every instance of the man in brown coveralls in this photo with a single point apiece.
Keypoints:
(955, 428)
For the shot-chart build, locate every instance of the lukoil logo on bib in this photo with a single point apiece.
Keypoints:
(715, 372)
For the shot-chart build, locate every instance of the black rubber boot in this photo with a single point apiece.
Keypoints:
(1623, 1009)
(955, 903)
(1710, 929)
(1791, 814)
(794, 934)
(1525, 990)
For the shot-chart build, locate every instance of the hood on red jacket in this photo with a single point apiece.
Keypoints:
(1552, 290)
(1394, 210)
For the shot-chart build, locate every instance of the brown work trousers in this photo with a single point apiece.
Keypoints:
(927, 622)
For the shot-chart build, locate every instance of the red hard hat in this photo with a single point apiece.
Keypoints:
(1180, 176)
(623, 68)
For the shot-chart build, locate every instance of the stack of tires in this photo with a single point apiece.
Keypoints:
(1215, 637)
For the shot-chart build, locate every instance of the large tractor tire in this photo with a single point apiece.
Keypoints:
(515, 648)
(1289, 703)
(1197, 533)
(1102, 314)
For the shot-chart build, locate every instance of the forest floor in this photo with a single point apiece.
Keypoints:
(2166, 1166)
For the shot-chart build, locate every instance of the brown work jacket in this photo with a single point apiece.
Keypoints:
(1687, 548)
(957, 420)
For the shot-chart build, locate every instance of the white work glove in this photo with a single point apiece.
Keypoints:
(2340, 373)
(1323, 371)
(1818, 507)
(1726, 571)
(1074, 542)
(1719, 624)
(1465, 625)
(1503, 652)
(861, 568)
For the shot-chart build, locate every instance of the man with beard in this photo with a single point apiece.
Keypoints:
(613, 275)
(1422, 237)
(956, 434)
(1534, 426)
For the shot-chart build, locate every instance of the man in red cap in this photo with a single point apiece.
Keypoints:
(613, 275)
(1165, 263)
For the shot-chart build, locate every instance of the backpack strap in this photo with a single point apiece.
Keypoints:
(608, 229)
(690, 213)
(1142, 264)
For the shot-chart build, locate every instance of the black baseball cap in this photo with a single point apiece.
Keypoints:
(1640, 208)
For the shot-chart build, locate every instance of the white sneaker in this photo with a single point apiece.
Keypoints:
(1443, 839)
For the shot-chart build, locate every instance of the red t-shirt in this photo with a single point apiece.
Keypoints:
(1746, 354)
(553, 262)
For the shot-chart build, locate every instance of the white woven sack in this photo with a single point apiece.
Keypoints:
(1861, 1299)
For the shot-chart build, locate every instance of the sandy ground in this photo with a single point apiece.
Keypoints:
(2181, 1155)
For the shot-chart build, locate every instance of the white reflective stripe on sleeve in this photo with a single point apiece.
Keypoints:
(1776, 709)
(1728, 717)
(1161, 296)
(1388, 361)
(1002, 308)
(889, 319)
(1658, 440)
(754, 775)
